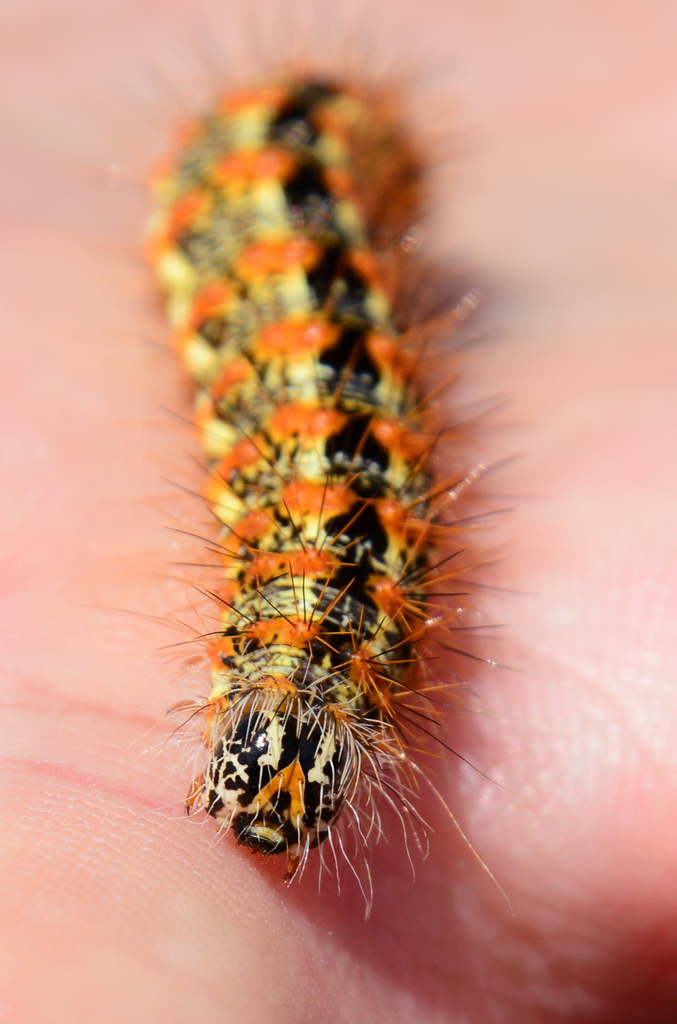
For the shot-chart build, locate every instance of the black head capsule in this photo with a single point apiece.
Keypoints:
(279, 781)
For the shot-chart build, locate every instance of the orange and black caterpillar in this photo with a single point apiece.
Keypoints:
(269, 238)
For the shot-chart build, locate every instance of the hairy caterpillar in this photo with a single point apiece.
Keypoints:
(270, 240)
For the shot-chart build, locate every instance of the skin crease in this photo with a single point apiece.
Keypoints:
(115, 907)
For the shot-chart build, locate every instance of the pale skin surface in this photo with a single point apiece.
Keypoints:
(115, 907)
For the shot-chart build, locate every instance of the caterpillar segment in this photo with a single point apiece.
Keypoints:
(268, 237)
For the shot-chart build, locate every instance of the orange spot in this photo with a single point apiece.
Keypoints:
(219, 648)
(394, 436)
(264, 258)
(388, 595)
(294, 338)
(308, 422)
(184, 212)
(366, 672)
(237, 371)
(303, 498)
(400, 523)
(210, 302)
(264, 566)
(180, 215)
(254, 165)
(212, 710)
(254, 525)
(277, 684)
(243, 454)
(365, 263)
(388, 353)
(310, 563)
(361, 664)
(290, 631)
(227, 593)
(290, 780)
(340, 181)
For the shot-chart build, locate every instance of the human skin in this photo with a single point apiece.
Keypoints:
(113, 905)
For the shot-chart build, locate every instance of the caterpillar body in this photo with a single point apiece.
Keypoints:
(275, 237)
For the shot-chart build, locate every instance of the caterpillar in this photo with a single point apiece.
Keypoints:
(277, 239)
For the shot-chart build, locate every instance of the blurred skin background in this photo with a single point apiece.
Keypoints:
(559, 182)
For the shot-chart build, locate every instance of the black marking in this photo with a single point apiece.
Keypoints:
(350, 295)
(363, 526)
(213, 331)
(293, 125)
(349, 356)
(354, 445)
(307, 184)
(321, 278)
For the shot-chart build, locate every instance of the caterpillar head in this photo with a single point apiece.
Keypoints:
(278, 780)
